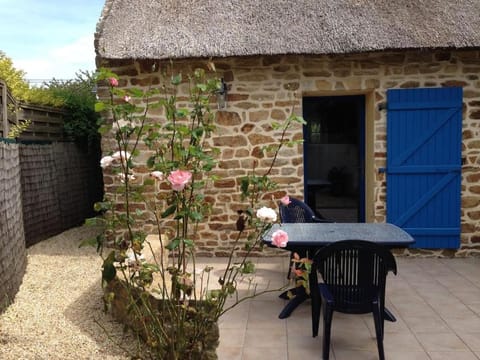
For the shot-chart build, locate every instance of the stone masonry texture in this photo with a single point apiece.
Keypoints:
(263, 89)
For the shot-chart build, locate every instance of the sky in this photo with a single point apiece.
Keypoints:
(49, 38)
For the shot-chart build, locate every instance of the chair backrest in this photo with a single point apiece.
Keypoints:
(355, 272)
(296, 212)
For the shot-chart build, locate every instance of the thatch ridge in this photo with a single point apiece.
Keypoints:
(162, 29)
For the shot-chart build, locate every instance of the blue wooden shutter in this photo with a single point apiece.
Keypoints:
(424, 140)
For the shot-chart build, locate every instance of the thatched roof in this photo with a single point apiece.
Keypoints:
(160, 29)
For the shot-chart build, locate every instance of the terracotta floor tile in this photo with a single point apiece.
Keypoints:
(229, 353)
(432, 324)
(265, 353)
(452, 355)
(472, 340)
(441, 342)
(422, 324)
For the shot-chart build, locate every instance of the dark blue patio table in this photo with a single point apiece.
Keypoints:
(307, 238)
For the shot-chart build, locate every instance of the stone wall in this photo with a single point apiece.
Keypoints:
(268, 88)
(13, 256)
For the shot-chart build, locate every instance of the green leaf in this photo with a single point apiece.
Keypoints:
(275, 125)
(248, 267)
(195, 216)
(198, 132)
(230, 287)
(213, 295)
(102, 206)
(135, 92)
(188, 243)
(94, 221)
(173, 244)
(202, 87)
(135, 152)
(176, 79)
(199, 73)
(109, 272)
(244, 185)
(297, 119)
(100, 241)
(151, 161)
(88, 242)
(100, 106)
(102, 130)
(170, 210)
(181, 113)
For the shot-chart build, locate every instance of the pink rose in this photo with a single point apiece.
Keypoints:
(113, 82)
(279, 238)
(179, 178)
(285, 200)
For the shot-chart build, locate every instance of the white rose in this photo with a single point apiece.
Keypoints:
(157, 175)
(267, 214)
(133, 258)
(121, 155)
(121, 123)
(131, 177)
(106, 161)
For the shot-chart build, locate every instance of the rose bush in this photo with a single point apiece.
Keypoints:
(180, 164)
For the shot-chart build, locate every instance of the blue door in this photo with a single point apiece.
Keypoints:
(424, 140)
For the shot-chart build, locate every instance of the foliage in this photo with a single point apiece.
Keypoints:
(17, 129)
(14, 78)
(182, 163)
(19, 87)
(21, 90)
(78, 98)
(301, 268)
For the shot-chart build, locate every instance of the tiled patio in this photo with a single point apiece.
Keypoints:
(436, 302)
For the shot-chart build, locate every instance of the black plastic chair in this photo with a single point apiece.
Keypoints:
(354, 279)
(298, 212)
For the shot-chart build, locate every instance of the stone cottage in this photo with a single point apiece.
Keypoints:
(390, 91)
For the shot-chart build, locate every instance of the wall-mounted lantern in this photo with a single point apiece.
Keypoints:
(222, 95)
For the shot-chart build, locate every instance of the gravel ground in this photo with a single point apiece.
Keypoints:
(58, 312)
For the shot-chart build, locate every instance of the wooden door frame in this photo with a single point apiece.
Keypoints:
(369, 156)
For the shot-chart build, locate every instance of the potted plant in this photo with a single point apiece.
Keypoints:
(166, 298)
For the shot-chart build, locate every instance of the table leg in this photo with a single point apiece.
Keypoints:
(288, 294)
(299, 292)
(299, 298)
(316, 299)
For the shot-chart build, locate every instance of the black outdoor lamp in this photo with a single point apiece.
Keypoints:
(222, 95)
